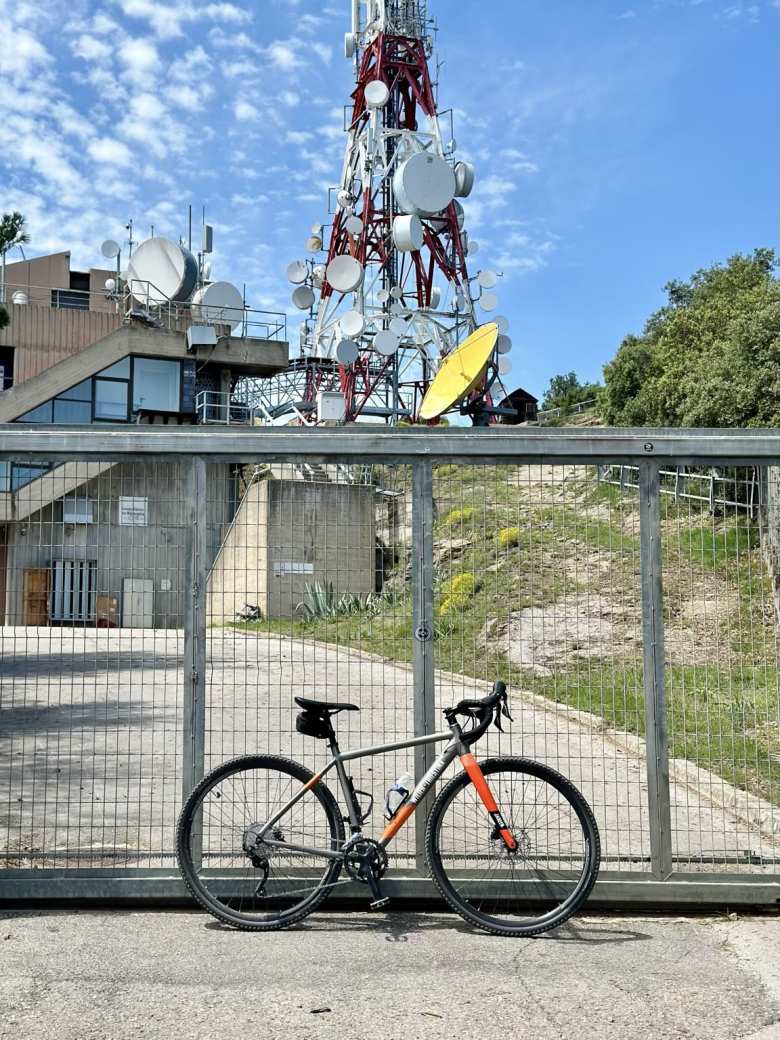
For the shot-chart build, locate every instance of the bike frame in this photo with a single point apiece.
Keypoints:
(455, 748)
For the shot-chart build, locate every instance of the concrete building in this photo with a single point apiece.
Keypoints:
(101, 543)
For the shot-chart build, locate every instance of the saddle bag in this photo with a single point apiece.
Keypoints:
(312, 724)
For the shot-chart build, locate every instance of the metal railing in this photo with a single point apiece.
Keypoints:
(557, 413)
(141, 300)
(684, 484)
(402, 569)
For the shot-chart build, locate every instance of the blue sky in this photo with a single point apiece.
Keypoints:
(618, 144)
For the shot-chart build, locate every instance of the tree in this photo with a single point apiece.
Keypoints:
(566, 391)
(709, 357)
(12, 233)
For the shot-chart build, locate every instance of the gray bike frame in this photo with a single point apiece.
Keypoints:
(453, 749)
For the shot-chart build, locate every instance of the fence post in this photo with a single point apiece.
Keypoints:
(422, 628)
(194, 663)
(656, 732)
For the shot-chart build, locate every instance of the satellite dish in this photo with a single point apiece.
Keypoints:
(344, 274)
(347, 352)
(460, 213)
(503, 324)
(297, 271)
(487, 279)
(460, 302)
(408, 234)
(460, 372)
(352, 324)
(344, 199)
(21, 299)
(354, 225)
(350, 45)
(109, 285)
(220, 303)
(383, 296)
(398, 308)
(313, 244)
(473, 248)
(110, 249)
(376, 94)
(435, 297)
(397, 292)
(318, 274)
(504, 344)
(303, 297)
(464, 179)
(424, 184)
(399, 326)
(488, 301)
(504, 365)
(386, 343)
(160, 271)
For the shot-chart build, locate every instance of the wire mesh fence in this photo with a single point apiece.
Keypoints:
(159, 615)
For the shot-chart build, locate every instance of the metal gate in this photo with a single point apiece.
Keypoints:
(402, 569)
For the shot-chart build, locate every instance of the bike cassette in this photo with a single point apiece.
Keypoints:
(254, 846)
(364, 857)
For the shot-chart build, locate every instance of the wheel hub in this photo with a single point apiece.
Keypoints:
(257, 849)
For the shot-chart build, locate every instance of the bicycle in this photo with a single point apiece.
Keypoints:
(511, 844)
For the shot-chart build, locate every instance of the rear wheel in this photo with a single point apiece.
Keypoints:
(549, 875)
(226, 864)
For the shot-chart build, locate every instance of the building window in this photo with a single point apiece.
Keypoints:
(156, 385)
(120, 370)
(43, 413)
(72, 411)
(111, 400)
(70, 299)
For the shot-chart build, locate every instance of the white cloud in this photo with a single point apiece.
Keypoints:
(244, 111)
(91, 49)
(165, 20)
(21, 52)
(109, 150)
(140, 58)
(283, 54)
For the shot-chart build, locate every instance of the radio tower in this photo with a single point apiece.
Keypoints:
(393, 296)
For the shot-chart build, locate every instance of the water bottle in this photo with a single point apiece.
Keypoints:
(398, 794)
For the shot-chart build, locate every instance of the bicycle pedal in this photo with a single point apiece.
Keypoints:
(379, 904)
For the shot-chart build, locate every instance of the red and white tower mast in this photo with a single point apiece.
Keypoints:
(394, 296)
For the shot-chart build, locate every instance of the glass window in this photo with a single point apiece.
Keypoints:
(110, 400)
(42, 413)
(21, 475)
(121, 370)
(156, 385)
(82, 392)
(72, 411)
(5, 476)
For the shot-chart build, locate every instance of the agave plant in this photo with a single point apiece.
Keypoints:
(320, 601)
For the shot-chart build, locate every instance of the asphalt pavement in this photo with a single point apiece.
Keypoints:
(147, 975)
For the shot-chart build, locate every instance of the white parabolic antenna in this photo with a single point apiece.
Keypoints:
(161, 270)
(504, 344)
(303, 297)
(219, 304)
(424, 184)
(347, 352)
(344, 274)
(377, 95)
(296, 272)
(386, 343)
(110, 249)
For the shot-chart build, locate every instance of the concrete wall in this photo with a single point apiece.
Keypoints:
(288, 534)
(155, 551)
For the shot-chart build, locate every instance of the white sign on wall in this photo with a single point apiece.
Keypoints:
(292, 567)
(133, 512)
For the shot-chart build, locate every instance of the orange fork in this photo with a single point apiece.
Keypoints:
(477, 778)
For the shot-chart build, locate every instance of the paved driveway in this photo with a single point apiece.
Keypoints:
(91, 746)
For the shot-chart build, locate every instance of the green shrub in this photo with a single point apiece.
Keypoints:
(457, 516)
(509, 536)
(457, 593)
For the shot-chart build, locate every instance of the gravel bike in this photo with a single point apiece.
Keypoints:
(511, 844)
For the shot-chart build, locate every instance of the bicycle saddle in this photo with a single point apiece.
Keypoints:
(320, 707)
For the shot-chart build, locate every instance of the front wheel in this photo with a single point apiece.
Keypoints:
(549, 874)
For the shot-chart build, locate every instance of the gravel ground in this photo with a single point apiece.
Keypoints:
(122, 975)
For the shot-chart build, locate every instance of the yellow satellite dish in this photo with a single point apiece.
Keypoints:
(460, 372)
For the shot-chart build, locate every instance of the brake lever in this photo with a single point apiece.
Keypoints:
(505, 709)
(502, 709)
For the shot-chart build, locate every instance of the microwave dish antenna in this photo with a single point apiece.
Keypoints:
(110, 249)
(460, 373)
(161, 271)
(219, 303)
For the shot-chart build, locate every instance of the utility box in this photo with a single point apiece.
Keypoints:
(330, 406)
(290, 534)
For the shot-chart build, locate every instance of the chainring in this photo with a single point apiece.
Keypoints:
(361, 856)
